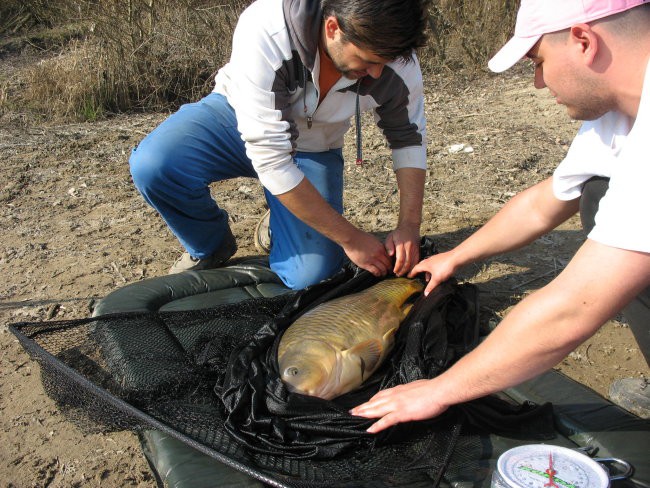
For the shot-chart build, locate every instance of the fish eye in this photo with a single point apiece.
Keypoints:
(291, 371)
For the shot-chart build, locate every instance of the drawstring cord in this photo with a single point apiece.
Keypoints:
(357, 123)
(304, 98)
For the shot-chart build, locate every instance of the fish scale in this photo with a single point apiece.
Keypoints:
(325, 321)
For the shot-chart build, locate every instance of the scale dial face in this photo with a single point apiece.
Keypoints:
(543, 465)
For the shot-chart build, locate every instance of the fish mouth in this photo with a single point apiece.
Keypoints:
(308, 374)
(317, 391)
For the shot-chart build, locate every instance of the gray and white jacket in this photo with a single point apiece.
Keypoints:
(271, 81)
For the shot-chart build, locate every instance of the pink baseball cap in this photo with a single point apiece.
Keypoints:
(538, 17)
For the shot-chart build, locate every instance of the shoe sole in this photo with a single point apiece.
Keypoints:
(227, 251)
(259, 245)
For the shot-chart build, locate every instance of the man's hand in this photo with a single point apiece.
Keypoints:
(363, 249)
(367, 252)
(403, 244)
(404, 403)
(438, 268)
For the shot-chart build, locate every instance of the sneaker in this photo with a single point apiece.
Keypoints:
(262, 235)
(189, 263)
(633, 394)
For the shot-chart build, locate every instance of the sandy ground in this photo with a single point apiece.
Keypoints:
(74, 229)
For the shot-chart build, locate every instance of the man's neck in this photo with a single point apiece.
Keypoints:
(328, 74)
(627, 80)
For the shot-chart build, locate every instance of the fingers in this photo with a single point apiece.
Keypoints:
(405, 260)
(383, 406)
(383, 423)
(406, 253)
(430, 285)
(425, 266)
(390, 246)
(376, 270)
(369, 253)
(396, 251)
(402, 263)
(379, 264)
(418, 268)
(375, 407)
(398, 267)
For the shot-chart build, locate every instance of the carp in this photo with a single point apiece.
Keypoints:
(334, 347)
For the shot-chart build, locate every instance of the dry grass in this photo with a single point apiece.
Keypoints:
(65, 86)
(156, 54)
(464, 34)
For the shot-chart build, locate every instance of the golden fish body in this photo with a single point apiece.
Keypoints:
(333, 348)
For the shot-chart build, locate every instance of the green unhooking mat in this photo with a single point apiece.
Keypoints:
(154, 357)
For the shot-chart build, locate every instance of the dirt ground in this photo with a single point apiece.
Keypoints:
(74, 229)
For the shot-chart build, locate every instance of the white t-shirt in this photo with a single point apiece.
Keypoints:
(616, 147)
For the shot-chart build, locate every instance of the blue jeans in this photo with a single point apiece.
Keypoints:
(200, 144)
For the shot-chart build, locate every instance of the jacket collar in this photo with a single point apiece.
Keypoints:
(303, 19)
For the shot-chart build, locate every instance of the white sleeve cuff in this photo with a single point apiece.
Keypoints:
(281, 180)
(410, 157)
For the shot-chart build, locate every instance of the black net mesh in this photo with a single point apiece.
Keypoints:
(167, 371)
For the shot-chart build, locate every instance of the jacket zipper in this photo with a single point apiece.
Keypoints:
(357, 115)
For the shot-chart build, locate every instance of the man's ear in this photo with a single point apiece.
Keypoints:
(585, 41)
(331, 27)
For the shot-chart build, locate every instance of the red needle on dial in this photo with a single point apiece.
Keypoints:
(551, 472)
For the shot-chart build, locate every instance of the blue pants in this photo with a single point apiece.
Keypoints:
(200, 144)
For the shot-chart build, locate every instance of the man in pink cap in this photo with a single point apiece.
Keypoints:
(594, 57)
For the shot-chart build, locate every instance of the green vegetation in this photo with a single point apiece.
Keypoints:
(111, 56)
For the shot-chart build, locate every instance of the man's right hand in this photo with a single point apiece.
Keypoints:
(368, 252)
(363, 249)
(438, 268)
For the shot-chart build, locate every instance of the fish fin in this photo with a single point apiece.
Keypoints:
(389, 336)
(369, 352)
(406, 308)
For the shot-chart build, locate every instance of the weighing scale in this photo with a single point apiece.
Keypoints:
(548, 466)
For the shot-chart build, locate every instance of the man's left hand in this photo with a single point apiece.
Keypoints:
(403, 403)
(403, 244)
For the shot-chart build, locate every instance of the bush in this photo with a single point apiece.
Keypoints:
(66, 86)
(18, 16)
(161, 52)
(466, 33)
(158, 54)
